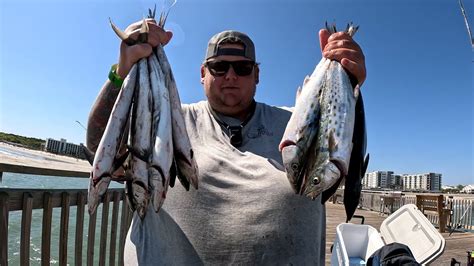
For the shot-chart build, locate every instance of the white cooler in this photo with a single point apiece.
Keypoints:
(355, 243)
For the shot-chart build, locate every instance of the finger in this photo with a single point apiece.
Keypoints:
(141, 50)
(339, 36)
(137, 25)
(159, 37)
(355, 69)
(344, 44)
(156, 34)
(323, 38)
(340, 53)
(169, 34)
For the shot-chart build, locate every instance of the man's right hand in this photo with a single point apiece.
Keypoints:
(130, 54)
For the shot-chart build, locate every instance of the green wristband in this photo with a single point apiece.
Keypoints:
(114, 77)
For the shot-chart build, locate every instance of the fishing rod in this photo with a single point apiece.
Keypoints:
(467, 24)
(81, 125)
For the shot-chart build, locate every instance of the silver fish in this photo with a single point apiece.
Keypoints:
(183, 152)
(140, 139)
(333, 144)
(162, 156)
(158, 136)
(303, 125)
(105, 161)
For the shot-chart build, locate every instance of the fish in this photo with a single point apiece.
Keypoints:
(352, 183)
(158, 146)
(303, 126)
(140, 145)
(358, 164)
(162, 155)
(333, 143)
(105, 158)
(186, 165)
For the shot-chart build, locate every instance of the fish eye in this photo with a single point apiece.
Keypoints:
(294, 166)
(316, 181)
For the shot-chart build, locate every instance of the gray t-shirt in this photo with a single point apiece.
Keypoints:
(244, 211)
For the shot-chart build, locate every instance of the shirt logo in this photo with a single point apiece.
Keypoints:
(261, 131)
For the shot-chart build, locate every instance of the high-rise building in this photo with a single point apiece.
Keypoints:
(63, 147)
(423, 182)
(382, 179)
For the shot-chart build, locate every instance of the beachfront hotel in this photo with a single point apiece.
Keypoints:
(63, 147)
(389, 180)
(425, 181)
(382, 179)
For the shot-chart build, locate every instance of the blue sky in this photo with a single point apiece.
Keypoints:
(55, 56)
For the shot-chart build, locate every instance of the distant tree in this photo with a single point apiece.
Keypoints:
(459, 187)
(32, 143)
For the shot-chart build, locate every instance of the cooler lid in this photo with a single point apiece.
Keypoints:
(409, 226)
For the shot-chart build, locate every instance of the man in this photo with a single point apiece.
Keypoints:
(245, 211)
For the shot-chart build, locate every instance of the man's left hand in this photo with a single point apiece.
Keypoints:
(341, 47)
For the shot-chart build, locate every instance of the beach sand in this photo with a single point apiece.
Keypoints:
(18, 157)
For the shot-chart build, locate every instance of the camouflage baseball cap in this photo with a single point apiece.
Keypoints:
(230, 36)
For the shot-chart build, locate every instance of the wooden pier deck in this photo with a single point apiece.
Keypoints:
(456, 245)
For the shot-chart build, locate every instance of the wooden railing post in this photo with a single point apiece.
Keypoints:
(4, 228)
(46, 233)
(91, 238)
(123, 227)
(26, 229)
(441, 214)
(79, 228)
(418, 202)
(103, 229)
(63, 233)
(113, 231)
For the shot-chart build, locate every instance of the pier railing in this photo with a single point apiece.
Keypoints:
(460, 211)
(27, 200)
(110, 232)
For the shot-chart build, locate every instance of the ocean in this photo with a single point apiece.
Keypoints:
(12, 180)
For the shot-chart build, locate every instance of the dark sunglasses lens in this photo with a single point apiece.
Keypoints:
(241, 68)
(218, 68)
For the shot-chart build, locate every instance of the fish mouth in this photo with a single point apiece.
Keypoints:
(341, 167)
(286, 143)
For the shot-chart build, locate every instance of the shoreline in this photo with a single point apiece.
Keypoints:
(24, 157)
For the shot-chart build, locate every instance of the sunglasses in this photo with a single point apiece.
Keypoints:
(220, 68)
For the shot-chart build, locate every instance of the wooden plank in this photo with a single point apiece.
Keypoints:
(91, 238)
(123, 228)
(113, 231)
(456, 214)
(470, 214)
(26, 229)
(4, 228)
(16, 196)
(79, 228)
(46, 232)
(103, 228)
(31, 170)
(64, 229)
